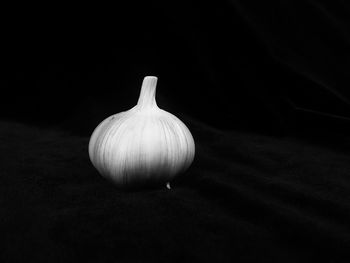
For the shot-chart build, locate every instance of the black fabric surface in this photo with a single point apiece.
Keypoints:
(246, 198)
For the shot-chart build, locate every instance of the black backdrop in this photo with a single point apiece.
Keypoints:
(232, 64)
(245, 69)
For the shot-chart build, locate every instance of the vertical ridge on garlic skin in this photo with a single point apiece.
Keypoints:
(185, 145)
(164, 142)
(97, 137)
(119, 150)
(189, 148)
(108, 142)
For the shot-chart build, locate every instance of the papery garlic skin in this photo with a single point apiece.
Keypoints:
(143, 146)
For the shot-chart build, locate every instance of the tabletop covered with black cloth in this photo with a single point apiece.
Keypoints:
(263, 88)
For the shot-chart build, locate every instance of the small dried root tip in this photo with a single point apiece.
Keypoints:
(168, 185)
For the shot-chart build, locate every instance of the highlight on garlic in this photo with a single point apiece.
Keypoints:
(142, 146)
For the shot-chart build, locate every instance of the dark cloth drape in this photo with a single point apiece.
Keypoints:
(246, 198)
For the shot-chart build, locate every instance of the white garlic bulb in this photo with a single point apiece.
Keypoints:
(142, 146)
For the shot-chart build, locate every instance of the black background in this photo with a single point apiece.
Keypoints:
(232, 64)
(234, 71)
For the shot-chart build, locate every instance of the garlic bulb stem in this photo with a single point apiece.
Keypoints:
(147, 97)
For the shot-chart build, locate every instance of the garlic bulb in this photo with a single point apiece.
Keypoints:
(142, 146)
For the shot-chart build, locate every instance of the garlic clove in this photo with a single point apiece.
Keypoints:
(142, 146)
